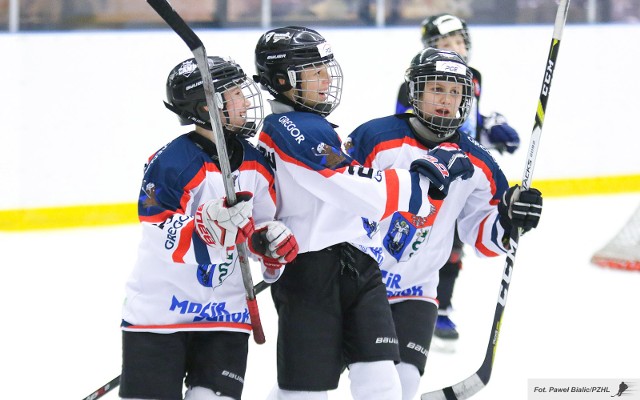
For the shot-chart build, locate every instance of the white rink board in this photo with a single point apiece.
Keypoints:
(82, 111)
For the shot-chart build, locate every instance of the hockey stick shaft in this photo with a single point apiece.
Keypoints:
(534, 143)
(104, 389)
(474, 383)
(173, 19)
(115, 382)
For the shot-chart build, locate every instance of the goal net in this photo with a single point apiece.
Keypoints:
(623, 250)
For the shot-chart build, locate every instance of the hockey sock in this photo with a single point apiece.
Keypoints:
(409, 379)
(202, 393)
(376, 380)
(281, 394)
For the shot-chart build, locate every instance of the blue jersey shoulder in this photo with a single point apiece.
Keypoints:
(178, 162)
(308, 138)
(166, 174)
(363, 140)
(479, 152)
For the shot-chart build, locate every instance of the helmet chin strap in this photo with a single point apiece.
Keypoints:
(197, 121)
(281, 98)
(188, 116)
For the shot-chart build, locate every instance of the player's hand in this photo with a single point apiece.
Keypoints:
(442, 165)
(499, 134)
(274, 243)
(520, 208)
(218, 224)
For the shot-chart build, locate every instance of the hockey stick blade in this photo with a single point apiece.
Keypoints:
(173, 19)
(474, 383)
(115, 382)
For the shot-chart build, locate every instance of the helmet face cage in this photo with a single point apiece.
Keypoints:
(317, 86)
(241, 106)
(441, 101)
(238, 98)
(442, 26)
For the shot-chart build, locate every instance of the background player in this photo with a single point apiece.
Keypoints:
(440, 91)
(448, 32)
(185, 312)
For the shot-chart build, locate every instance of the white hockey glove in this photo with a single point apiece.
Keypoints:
(219, 225)
(275, 245)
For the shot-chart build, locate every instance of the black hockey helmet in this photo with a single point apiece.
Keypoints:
(441, 67)
(282, 53)
(442, 25)
(185, 96)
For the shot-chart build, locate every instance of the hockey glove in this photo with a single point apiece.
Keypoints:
(520, 208)
(498, 134)
(218, 224)
(442, 165)
(274, 243)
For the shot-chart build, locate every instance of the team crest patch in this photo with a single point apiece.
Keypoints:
(399, 235)
(149, 198)
(330, 157)
(406, 233)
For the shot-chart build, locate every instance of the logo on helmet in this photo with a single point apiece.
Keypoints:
(451, 67)
(276, 37)
(324, 49)
(447, 24)
(187, 68)
(193, 85)
(277, 56)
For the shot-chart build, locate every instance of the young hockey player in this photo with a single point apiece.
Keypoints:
(331, 301)
(185, 313)
(440, 90)
(448, 32)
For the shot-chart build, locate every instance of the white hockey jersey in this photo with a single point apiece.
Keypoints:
(325, 197)
(414, 253)
(178, 282)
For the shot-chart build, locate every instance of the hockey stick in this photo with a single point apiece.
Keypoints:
(104, 389)
(474, 383)
(171, 17)
(115, 382)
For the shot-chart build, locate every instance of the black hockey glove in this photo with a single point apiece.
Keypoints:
(520, 208)
(442, 165)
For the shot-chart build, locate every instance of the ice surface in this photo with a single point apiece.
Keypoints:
(565, 318)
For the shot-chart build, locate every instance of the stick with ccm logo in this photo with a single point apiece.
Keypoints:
(471, 385)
